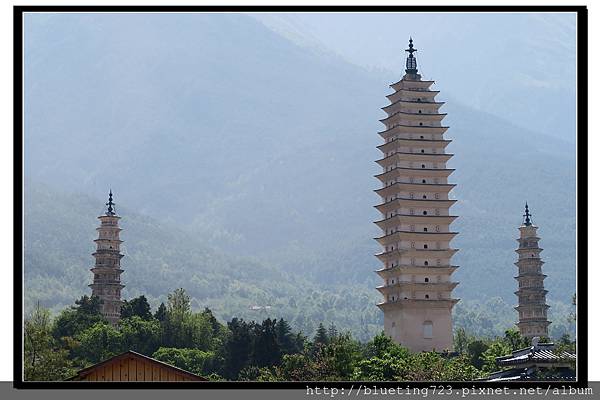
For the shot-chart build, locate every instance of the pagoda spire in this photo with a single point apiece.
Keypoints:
(527, 216)
(411, 60)
(110, 204)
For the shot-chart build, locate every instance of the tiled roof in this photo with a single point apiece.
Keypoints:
(542, 353)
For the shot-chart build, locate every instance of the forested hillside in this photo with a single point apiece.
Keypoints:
(242, 165)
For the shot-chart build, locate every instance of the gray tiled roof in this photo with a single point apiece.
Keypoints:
(542, 353)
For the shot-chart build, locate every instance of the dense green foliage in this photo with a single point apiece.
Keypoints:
(242, 350)
(43, 357)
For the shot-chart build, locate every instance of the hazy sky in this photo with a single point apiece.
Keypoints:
(486, 60)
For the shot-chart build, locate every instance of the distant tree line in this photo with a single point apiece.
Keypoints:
(241, 350)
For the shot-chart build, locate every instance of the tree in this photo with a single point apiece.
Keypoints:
(266, 351)
(341, 353)
(565, 344)
(475, 350)
(288, 343)
(238, 348)
(42, 359)
(161, 312)
(78, 318)
(140, 335)
(321, 337)
(383, 360)
(181, 328)
(496, 349)
(196, 361)
(514, 339)
(332, 331)
(179, 303)
(98, 343)
(138, 306)
(297, 367)
(461, 341)
(184, 329)
(215, 325)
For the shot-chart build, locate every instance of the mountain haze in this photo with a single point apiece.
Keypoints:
(519, 66)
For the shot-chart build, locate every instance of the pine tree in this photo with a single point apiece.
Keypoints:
(138, 306)
(285, 338)
(238, 348)
(161, 312)
(266, 351)
(321, 337)
(215, 325)
(332, 332)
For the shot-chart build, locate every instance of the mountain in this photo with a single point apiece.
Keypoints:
(234, 139)
(520, 65)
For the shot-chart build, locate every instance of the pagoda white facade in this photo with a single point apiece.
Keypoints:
(415, 217)
(107, 269)
(532, 308)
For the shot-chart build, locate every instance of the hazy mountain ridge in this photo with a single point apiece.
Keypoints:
(518, 66)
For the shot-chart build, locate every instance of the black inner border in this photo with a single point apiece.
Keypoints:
(581, 179)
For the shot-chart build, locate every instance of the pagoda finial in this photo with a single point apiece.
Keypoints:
(527, 216)
(110, 204)
(411, 60)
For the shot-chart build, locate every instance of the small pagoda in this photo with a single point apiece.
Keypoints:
(532, 308)
(107, 269)
(415, 217)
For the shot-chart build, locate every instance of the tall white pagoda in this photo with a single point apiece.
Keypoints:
(415, 217)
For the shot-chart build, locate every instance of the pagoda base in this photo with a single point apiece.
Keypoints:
(419, 328)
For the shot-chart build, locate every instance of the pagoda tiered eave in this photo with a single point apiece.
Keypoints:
(529, 250)
(435, 286)
(430, 187)
(407, 235)
(418, 303)
(413, 252)
(421, 173)
(105, 268)
(414, 85)
(404, 94)
(527, 306)
(531, 290)
(416, 219)
(397, 116)
(420, 269)
(104, 282)
(407, 202)
(413, 129)
(422, 157)
(528, 275)
(529, 261)
(108, 240)
(103, 217)
(426, 105)
(392, 144)
(538, 320)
